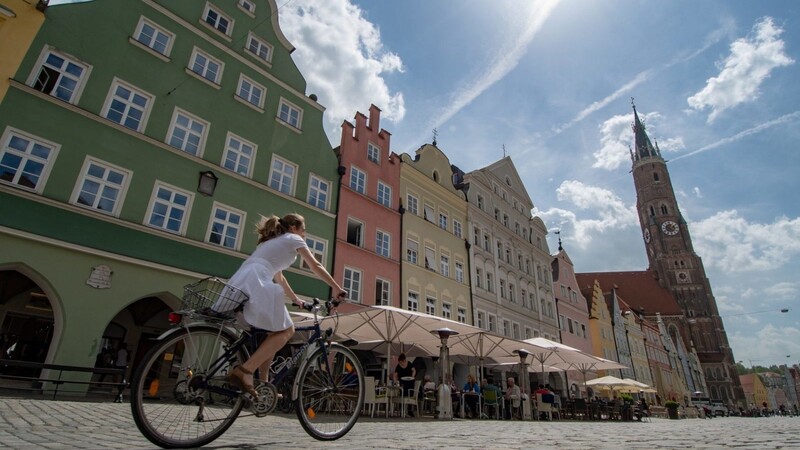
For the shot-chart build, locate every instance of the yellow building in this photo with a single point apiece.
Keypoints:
(600, 328)
(754, 390)
(19, 23)
(433, 272)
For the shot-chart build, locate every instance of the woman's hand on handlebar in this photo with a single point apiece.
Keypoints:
(340, 297)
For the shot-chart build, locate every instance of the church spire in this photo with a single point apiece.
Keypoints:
(644, 148)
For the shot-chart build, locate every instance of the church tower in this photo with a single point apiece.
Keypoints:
(679, 269)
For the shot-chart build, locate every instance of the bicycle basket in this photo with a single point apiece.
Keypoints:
(212, 297)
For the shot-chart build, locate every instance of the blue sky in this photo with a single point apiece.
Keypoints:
(714, 81)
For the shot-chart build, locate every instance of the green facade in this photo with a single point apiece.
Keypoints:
(57, 242)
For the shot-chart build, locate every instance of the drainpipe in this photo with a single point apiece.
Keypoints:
(341, 170)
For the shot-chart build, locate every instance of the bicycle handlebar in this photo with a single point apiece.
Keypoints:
(315, 303)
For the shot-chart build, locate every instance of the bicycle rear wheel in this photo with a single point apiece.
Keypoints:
(329, 392)
(169, 390)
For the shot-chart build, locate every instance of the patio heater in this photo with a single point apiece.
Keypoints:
(525, 385)
(444, 400)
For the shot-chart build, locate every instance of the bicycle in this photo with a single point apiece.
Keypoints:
(180, 395)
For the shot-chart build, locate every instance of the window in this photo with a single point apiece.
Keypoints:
(515, 329)
(383, 292)
(413, 204)
(352, 284)
(412, 249)
(480, 321)
(317, 248)
(358, 180)
(430, 306)
(251, 92)
(511, 292)
(479, 278)
(259, 47)
(384, 194)
(427, 213)
(508, 254)
(153, 36)
(430, 257)
(486, 242)
(355, 232)
(127, 105)
(569, 325)
(528, 333)
(502, 288)
(218, 20)
(206, 66)
(169, 208)
(443, 221)
(225, 227)
(318, 190)
(462, 315)
(492, 322)
(290, 114)
(187, 132)
(476, 236)
(238, 155)
(447, 310)
(499, 250)
(489, 282)
(101, 187)
(444, 265)
(373, 153)
(459, 272)
(248, 6)
(59, 76)
(506, 327)
(25, 160)
(480, 202)
(413, 301)
(382, 244)
(457, 228)
(282, 176)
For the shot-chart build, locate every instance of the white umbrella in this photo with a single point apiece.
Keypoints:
(484, 347)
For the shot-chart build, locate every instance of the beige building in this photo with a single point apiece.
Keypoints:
(510, 263)
(600, 328)
(433, 272)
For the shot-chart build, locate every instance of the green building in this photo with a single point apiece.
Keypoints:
(140, 142)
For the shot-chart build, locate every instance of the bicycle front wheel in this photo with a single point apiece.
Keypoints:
(329, 392)
(170, 390)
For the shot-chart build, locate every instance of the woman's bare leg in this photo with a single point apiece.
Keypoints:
(262, 357)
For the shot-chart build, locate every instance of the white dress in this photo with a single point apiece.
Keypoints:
(266, 309)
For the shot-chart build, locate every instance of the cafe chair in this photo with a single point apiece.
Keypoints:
(429, 402)
(543, 408)
(490, 401)
(410, 400)
(373, 400)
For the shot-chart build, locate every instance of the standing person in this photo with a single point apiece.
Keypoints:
(260, 276)
(511, 397)
(404, 369)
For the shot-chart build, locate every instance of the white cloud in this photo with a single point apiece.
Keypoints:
(767, 346)
(343, 60)
(610, 212)
(729, 242)
(507, 59)
(616, 139)
(697, 192)
(751, 60)
(782, 291)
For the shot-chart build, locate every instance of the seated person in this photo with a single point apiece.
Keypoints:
(642, 409)
(471, 401)
(455, 395)
(511, 397)
(428, 384)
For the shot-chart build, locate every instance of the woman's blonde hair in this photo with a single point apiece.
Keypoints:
(274, 226)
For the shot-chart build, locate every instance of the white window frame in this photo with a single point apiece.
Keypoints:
(259, 48)
(352, 282)
(103, 182)
(283, 174)
(54, 91)
(316, 195)
(237, 155)
(480, 318)
(226, 224)
(353, 222)
(412, 305)
(358, 180)
(459, 271)
(430, 258)
(430, 306)
(203, 72)
(447, 310)
(383, 243)
(373, 153)
(249, 97)
(248, 6)
(228, 31)
(457, 228)
(383, 292)
(318, 248)
(173, 126)
(492, 322)
(287, 118)
(412, 251)
(443, 218)
(157, 30)
(428, 212)
(113, 99)
(28, 158)
(384, 194)
(478, 278)
(186, 209)
(444, 265)
(461, 315)
(412, 205)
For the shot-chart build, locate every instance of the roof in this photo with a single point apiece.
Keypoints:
(640, 290)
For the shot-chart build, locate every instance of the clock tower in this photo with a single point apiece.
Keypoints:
(679, 269)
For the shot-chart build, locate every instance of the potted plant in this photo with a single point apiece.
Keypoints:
(672, 408)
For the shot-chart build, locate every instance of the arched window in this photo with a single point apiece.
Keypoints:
(436, 176)
(655, 176)
(652, 211)
(664, 209)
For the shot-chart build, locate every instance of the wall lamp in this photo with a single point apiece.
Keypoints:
(207, 183)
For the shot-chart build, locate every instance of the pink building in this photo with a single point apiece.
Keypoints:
(367, 253)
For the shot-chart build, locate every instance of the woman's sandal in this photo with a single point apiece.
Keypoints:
(236, 378)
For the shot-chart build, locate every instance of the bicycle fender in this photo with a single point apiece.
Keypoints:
(198, 327)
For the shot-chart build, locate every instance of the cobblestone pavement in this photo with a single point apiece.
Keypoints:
(35, 424)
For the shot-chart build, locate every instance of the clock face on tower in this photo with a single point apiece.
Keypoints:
(669, 228)
(646, 235)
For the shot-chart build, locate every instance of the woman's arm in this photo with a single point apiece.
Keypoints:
(281, 280)
(320, 271)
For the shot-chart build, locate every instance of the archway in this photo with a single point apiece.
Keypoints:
(27, 321)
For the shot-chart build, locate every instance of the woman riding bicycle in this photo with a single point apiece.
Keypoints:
(261, 278)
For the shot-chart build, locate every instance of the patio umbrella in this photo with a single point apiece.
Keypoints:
(483, 347)
(585, 367)
(557, 354)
